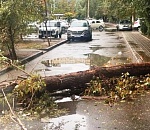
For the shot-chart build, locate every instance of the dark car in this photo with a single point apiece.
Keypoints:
(79, 29)
(124, 25)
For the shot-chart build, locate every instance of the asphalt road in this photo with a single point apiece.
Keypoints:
(106, 49)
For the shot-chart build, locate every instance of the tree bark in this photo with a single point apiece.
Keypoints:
(79, 79)
(12, 44)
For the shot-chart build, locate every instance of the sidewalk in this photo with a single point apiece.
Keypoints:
(30, 54)
(139, 45)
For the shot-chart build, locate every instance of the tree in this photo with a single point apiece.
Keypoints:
(64, 6)
(14, 18)
(69, 16)
(80, 9)
(143, 11)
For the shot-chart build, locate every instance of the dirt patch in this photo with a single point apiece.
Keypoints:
(29, 47)
(40, 44)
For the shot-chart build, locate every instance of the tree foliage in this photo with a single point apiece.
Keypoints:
(64, 6)
(14, 18)
(114, 10)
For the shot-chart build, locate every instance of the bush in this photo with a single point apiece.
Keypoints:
(143, 27)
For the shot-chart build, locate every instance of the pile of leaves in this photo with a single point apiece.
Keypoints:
(33, 97)
(30, 92)
(118, 88)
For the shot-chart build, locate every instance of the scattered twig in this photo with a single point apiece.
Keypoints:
(20, 69)
(15, 118)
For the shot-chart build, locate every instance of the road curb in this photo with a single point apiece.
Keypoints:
(55, 45)
(32, 57)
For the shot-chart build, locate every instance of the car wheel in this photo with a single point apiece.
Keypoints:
(56, 36)
(90, 38)
(63, 30)
(117, 28)
(138, 29)
(101, 28)
(40, 36)
(69, 39)
(60, 35)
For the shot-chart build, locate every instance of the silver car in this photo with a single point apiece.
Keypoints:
(79, 29)
(124, 25)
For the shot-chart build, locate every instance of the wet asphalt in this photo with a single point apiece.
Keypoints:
(127, 115)
(106, 49)
(94, 114)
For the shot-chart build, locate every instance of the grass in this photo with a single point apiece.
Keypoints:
(31, 45)
(36, 44)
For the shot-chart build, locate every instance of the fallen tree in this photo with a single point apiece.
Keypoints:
(32, 91)
(79, 79)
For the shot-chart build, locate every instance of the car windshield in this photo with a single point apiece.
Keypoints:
(50, 24)
(79, 24)
(125, 22)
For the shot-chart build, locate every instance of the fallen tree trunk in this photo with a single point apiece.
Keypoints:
(79, 79)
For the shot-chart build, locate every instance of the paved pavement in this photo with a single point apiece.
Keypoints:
(121, 116)
(139, 44)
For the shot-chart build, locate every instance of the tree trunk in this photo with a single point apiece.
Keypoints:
(79, 79)
(12, 45)
(45, 3)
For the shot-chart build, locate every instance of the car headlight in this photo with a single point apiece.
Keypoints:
(69, 32)
(85, 31)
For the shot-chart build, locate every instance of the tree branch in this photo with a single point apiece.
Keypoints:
(15, 118)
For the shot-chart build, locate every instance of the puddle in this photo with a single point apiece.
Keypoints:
(69, 99)
(110, 33)
(98, 60)
(65, 60)
(96, 47)
(118, 37)
(79, 64)
(121, 46)
(133, 43)
(70, 122)
(97, 115)
(100, 57)
(144, 56)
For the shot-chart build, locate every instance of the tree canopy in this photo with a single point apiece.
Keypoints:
(15, 15)
(114, 10)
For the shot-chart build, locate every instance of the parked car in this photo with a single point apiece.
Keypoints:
(137, 24)
(31, 30)
(79, 29)
(53, 29)
(97, 24)
(64, 26)
(124, 25)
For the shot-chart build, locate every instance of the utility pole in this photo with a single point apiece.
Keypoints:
(88, 9)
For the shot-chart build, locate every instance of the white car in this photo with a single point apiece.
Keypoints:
(79, 29)
(97, 24)
(64, 26)
(54, 29)
(137, 24)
